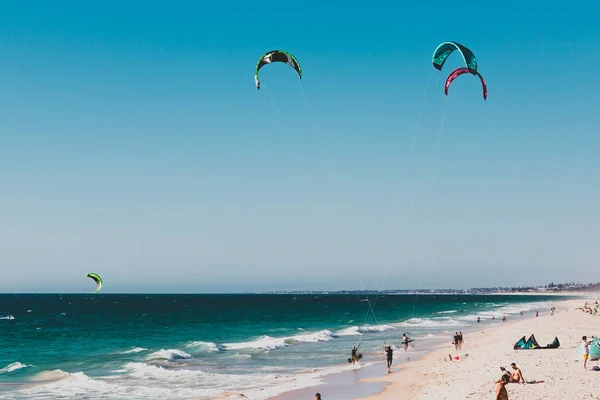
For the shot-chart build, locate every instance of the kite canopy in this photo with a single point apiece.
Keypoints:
(458, 72)
(444, 50)
(96, 279)
(532, 344)
(276, 56)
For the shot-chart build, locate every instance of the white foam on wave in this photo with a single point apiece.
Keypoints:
(55, 375)
(134, 350)
(206, 347)
(14, 367)
(171, 354)
(261, 343)
(77, 385)
(431, 323)
(351, 331)
(512, 309)
(361, 330)
(376, 328)
(321, 336)
(268, 343)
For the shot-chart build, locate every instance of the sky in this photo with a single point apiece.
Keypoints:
(134, 144)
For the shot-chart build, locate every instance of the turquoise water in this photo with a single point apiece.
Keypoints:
(107, 346)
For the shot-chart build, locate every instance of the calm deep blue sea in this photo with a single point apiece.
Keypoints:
(117, 346)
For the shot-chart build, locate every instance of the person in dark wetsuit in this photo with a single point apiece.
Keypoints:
(390, 355)
(354, 357)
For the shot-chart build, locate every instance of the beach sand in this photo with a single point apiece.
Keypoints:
(488, 349)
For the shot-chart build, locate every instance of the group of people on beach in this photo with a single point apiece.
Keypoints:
(590, 310)
(458, 340)
(389, 351)
(508, 377)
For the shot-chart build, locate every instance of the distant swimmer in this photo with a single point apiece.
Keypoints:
(390, 356)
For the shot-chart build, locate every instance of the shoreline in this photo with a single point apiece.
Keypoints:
(432, 377)
(406, 379)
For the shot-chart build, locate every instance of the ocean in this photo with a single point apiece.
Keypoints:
(121, 346)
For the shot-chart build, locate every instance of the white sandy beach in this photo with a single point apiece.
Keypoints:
(472, 377)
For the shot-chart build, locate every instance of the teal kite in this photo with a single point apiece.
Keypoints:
(443, 51)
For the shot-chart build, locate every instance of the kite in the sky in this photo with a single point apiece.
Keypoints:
(458, 72)
(96, 279)
(276, 56)
(443, 51)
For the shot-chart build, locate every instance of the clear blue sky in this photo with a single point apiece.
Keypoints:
(134, 144)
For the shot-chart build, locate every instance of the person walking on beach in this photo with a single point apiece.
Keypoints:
(460, 340)
(501, 393)
(586, 351)
(456, 340)
(405, 342)
(390, 355)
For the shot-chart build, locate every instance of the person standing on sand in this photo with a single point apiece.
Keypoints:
(501, 393)
(460, 340)
(586, 351)
(537, 314)
(405, 342)
(390, 355)
(456, 340)
(354, 357)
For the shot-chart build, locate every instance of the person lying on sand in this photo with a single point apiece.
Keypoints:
(517, 375)
(501, 393)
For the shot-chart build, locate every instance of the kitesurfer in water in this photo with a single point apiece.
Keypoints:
(390, 355)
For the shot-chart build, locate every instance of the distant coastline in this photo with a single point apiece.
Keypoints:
(550, 289)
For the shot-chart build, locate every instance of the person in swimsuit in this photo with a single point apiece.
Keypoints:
(405, 342)
(460, 340)
(390, 355)
(517, 376)
(501, 393)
